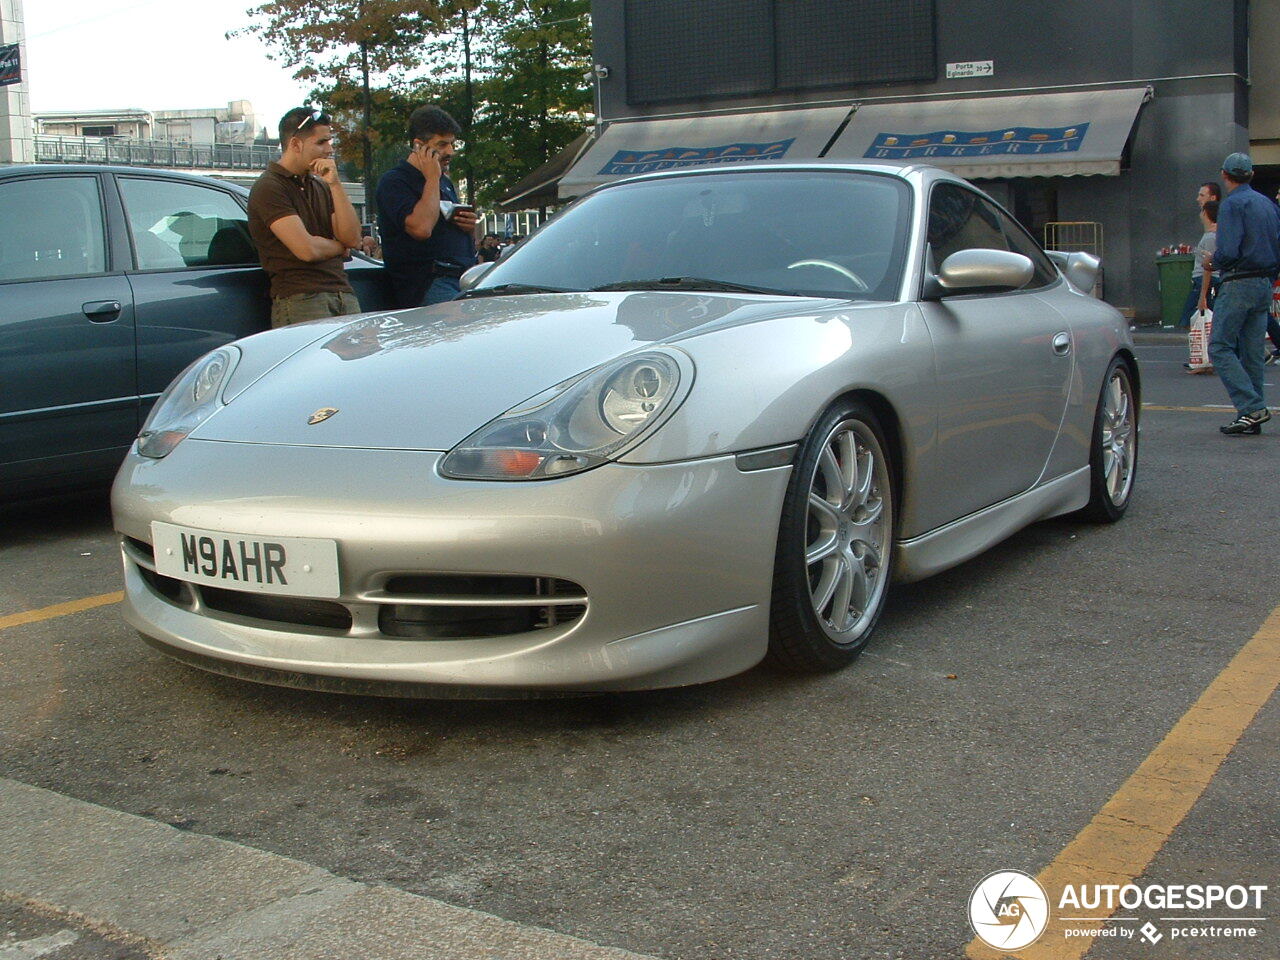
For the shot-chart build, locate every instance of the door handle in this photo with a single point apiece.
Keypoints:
(1062, 344)
(101, 311)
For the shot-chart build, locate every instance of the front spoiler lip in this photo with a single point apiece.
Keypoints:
(358, 686)
(699, 650)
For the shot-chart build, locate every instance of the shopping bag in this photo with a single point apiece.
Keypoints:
(1198, 341)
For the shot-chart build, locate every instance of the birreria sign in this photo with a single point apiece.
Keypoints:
(1234, 911)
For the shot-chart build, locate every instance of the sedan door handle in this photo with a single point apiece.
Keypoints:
(102, 311)
(1062, 344)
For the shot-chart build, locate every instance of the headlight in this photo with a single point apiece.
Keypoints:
(576, 425)
(188, 402)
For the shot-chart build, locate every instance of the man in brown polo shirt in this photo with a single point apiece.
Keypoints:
(304, 224)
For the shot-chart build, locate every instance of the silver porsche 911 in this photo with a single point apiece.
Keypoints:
(699, 418)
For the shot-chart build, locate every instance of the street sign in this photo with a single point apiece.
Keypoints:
(971, 68)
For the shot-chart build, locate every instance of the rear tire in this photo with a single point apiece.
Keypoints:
(1113, 451)
(835, 544)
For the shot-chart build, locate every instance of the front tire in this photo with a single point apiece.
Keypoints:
(835, 544)
(1113, 452)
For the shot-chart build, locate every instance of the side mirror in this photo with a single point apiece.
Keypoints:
(974, 271)
(473, 276)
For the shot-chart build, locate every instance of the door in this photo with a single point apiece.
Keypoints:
(1003, 360)
(68, 384)
(196, 280)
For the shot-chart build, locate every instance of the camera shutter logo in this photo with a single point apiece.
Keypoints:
(1008, 910)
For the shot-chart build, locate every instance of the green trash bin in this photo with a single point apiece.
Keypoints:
(1175, 284)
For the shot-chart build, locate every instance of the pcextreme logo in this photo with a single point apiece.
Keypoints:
(1008, 910)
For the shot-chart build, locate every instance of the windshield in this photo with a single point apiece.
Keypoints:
(795, 232)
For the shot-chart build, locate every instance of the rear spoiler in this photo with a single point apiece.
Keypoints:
(1080, 269)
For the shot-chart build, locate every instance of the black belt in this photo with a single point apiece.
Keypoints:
(1248, 275)
(446, 268)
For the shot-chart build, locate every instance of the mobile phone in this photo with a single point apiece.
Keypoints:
(463, 206)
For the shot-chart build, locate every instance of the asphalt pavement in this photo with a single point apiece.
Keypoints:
(1000, 707)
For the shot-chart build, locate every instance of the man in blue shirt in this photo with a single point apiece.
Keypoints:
(427, 234)
(1248, 255)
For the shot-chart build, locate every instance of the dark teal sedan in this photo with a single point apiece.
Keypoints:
(112, 280)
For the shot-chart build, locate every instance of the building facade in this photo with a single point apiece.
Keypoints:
(234, 123)
(1091, 121)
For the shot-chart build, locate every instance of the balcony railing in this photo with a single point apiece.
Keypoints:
(154, 153)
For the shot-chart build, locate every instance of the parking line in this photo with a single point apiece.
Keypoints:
(1218, 408)
(60, 609)
(1122, 840)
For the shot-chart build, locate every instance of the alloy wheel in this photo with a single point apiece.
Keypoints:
(1119, 448)
(847, 532)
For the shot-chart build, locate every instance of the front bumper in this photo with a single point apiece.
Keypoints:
(675, 560)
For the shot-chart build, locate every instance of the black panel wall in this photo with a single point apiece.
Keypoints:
(677, 50)
(824, 43)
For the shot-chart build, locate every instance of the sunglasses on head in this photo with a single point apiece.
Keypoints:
(316, 117)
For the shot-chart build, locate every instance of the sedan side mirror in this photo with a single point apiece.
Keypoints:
(980, 271)
(473, 275)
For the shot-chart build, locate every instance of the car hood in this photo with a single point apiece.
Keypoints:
(424, 379)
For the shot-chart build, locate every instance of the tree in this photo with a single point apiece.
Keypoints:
(510, 72)
(528, 99)
(344, 43)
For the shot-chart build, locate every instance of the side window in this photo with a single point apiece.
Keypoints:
(51, 227)
(961, 220)
(1020, 242)
(185, 225)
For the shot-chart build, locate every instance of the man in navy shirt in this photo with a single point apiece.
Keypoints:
(1248, 254)
(427, 234)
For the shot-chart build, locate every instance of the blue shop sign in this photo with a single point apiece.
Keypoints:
(967, 143)
(630, 162)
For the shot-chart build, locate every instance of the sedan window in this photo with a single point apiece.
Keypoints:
(185, 225)
(52, 227)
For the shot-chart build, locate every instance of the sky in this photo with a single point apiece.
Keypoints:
(151, 55)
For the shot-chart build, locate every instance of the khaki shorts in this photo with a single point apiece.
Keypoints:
(312, 306)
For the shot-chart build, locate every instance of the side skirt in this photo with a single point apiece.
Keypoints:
(969, 536)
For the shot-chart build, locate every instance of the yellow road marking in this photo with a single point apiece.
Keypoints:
(1225, 408)
(60, 609)
(1120, 842)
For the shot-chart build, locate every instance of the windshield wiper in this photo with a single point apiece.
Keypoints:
(691, 283)
(504, 289)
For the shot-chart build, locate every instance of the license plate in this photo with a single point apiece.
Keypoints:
(294, 566)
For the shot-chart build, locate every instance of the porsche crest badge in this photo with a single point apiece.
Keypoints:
(324, 413)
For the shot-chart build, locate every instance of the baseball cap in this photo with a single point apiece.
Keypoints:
(1238, 164)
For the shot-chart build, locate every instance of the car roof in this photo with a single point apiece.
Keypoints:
(25, 169)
